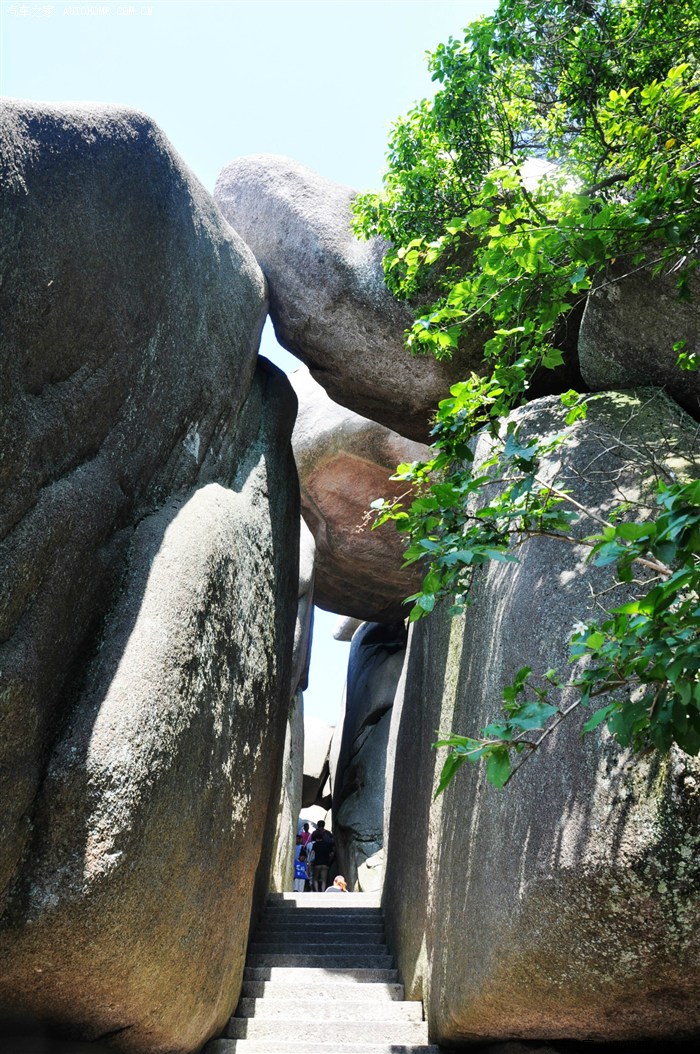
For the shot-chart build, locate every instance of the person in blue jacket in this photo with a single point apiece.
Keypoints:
(301, 872)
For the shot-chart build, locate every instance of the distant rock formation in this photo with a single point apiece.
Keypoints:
(149, 510)
(344, 463)
(317, 743)
(358, 754)
(291, 792)
(290, 803)
(303, 629)
(328, 299)
(567, 904)
(630, 325)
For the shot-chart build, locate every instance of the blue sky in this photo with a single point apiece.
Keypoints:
(318, 81)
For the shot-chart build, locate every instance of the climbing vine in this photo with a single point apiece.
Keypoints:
(605, 95)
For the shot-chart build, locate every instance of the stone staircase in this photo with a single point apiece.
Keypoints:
(319, 978)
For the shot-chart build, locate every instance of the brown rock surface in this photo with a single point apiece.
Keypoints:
(567, 905)
(328, 299)
(344, 463)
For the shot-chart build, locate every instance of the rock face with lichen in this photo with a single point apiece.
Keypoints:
(566, 905)
(345, 462)
(149, 507)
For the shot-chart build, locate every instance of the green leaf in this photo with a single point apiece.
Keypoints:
(532, 715)
(598, 718)
(453, 762)
(552, 359)
(633, 531)
(498, 767)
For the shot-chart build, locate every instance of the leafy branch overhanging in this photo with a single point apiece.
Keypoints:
(605, 95)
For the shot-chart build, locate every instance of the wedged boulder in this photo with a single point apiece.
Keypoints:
(565, 906)
(317, 742)
(149, 506)
(630, 325)
(344, 463)
(358, 754)
(328, 300)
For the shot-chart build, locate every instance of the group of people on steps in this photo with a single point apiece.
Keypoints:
(315, 853)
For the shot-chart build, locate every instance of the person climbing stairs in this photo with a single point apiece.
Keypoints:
(320, 978)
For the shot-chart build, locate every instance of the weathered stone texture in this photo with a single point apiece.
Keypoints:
(107, 243)
(149, 505)
(566, 905)
(344, 463)
(358, 764)
(131, 910)
(328, 300)
(631, 323)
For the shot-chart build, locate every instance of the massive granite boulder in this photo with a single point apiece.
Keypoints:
(149, 507)
(328, 300)
(567, 905)
(630, 325)
(344, 463)
(358, 754)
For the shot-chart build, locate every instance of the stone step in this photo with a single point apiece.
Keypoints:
(330, 946)
(341, 990)
(325, 912)
(288, 920)
(327, 960)
(319, 977)
(317, 935)
(353, 1007)
(354, 899)
(264, 1046)
(325, 1030)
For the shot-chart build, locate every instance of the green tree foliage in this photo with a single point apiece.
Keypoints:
(605, 95)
